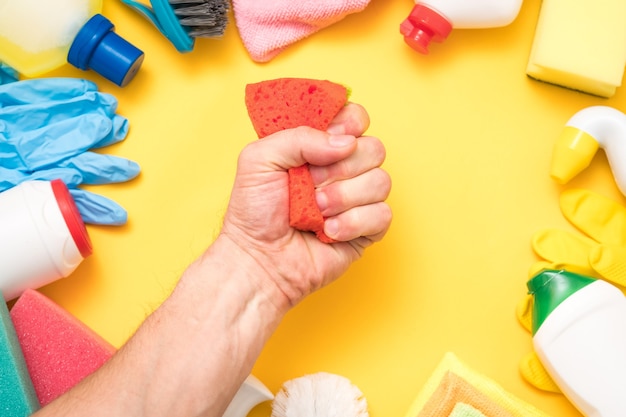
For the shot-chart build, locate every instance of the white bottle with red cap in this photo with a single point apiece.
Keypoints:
(42, 236)
(433, 20)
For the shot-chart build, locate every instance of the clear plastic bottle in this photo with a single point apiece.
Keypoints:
(42, 236)
(38, 36)
(433, 20)
(579, 334)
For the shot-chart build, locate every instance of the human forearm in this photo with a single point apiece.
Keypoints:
(193, 352)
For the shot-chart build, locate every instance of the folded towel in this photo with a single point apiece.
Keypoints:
(464, 410)
(454, 383)
(268, 27)
(454, 390)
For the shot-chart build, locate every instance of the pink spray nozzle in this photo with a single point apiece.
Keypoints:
(423, 26)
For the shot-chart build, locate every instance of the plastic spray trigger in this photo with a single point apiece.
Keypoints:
(589, 129)
(573, 152)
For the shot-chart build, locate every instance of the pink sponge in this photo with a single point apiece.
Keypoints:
(59, 350)
(17, 394)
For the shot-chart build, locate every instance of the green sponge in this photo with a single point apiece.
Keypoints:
(17, 394)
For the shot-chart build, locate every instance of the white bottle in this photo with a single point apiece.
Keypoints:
(579, 334)
(42, 236)
(433, 20)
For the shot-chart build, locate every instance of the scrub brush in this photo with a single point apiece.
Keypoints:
(319, 395)
(181, 21)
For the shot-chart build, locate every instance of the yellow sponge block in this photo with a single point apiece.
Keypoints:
(580, 44)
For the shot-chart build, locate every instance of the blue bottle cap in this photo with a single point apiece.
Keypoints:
(99, 48)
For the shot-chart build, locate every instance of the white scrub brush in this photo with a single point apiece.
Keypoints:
(319, 395)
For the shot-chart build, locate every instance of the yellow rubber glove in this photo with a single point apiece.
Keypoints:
(600, 253)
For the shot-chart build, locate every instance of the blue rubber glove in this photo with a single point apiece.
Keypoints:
(49, 126)
(7, 74)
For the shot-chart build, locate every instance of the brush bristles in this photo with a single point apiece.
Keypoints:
(202, 18)
(319, 395)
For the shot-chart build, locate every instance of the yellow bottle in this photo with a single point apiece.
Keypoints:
(38, 36)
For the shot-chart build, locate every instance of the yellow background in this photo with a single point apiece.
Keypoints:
(469, 139)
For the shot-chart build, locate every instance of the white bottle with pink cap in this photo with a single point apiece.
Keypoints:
(42, 236)
(433, 20)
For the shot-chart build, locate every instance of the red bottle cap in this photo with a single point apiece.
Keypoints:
(423, 26)
(72, 217)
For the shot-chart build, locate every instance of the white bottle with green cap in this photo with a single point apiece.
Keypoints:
(579, 334)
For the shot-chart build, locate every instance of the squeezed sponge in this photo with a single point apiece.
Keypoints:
(17, 394)
(284, 103)
(59, 350)
(580, 45)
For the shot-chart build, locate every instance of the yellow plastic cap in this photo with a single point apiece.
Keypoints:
(573, 152)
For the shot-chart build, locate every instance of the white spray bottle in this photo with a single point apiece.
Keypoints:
(433, 20)
(579, 334)
(589, 129)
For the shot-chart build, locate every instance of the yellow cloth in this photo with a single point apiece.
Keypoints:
(465, 410)
(454, 390)
(488, 388)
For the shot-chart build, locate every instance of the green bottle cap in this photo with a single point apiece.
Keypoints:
(550, 288)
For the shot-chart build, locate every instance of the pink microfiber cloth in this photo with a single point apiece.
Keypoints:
(59, 350)
(268, 27)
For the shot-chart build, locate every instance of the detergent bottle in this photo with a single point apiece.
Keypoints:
(38, 36)
(433, 20)
(42, 236)
(579, 334)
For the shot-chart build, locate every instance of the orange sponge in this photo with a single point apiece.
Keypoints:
(286, 103)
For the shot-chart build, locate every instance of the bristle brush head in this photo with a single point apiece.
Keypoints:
(182, 21)
(201, 18)
(319, 395)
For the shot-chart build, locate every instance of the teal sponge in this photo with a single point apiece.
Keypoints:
(17, 394)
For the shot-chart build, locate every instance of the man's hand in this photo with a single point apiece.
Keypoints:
(350, 191)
